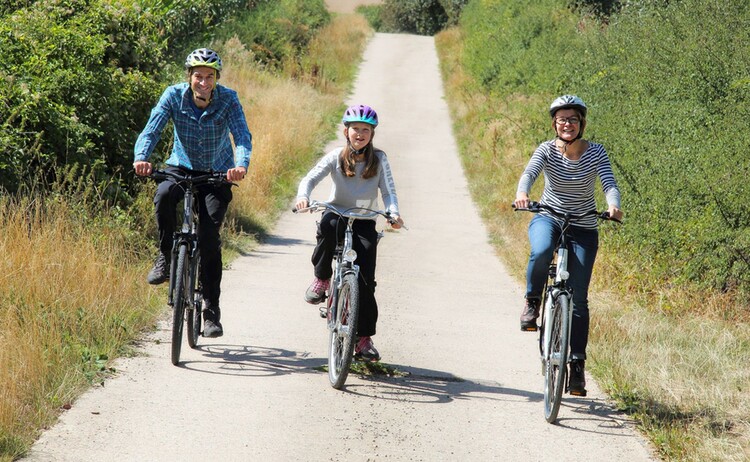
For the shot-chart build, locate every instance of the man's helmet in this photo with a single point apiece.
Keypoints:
(568, 102)
(360, 113)
(203, 57)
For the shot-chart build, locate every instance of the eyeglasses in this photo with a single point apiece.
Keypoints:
(567, 120)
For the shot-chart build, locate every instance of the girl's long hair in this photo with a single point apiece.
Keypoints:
(347, 163)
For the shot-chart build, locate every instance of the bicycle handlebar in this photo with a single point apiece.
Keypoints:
(536, 207)
(210, 177)
(315, 206)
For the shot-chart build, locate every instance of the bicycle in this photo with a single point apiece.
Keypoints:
(557, 315)
(342, 303)
(184, 294)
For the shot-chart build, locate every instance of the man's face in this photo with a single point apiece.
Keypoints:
(202, 82)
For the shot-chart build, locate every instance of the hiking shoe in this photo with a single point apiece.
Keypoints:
(211, 326)
(160, 272)
(316, 293)
(529, 314)
(365, 350)
(577, 381)
(212, 329)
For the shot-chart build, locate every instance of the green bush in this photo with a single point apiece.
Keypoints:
(424, 17)
(278, 30)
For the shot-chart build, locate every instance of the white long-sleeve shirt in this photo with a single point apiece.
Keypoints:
(353, 191)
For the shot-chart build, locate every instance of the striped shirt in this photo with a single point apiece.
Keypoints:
(569, 184)
(353, 191)
(201, 142)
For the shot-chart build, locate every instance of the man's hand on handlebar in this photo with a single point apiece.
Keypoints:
(236, 174)
(142, 168)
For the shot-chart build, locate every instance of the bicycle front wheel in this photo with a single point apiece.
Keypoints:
(556, 356)
(343, 332)
(181, 298)
(194, 311)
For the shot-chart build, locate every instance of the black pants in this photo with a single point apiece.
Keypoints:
(330, 231)
(213, 201)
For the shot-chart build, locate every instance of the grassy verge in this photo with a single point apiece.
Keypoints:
(73, 295)
(683, 378)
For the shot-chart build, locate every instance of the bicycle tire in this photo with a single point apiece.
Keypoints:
(181, 297)
(556, 360)
(194, 311)
(343, 334)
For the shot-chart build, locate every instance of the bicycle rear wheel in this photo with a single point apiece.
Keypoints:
(342, 335)
(181, 298)
(556, 359)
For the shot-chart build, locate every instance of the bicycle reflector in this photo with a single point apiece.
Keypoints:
(350, 256)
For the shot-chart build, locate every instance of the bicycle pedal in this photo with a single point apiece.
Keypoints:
(578, 393)
(533, 328)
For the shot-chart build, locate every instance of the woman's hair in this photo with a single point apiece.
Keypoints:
(347, 162)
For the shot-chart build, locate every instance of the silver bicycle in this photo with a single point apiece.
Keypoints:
(342, 302)
(557, 313)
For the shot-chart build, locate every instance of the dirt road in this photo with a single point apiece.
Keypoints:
(449, 317)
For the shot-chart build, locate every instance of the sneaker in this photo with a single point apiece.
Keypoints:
(529, 314)
(160, 272)
(316, 293)
(211, 326)
(577, 383)
(365, 350)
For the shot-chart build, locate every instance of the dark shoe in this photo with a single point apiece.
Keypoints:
(365, 350)
(316, 293)
(160, 272)
(577, 377)
(529, 315)
(211, 322)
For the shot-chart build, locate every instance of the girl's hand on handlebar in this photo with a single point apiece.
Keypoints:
(396, 222)
(142, 168)
(236, 174)
(302, 203)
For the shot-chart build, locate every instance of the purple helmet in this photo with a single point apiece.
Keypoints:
(360, 113)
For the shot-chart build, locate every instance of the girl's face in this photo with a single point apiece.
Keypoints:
(567, 124)
(359, 134)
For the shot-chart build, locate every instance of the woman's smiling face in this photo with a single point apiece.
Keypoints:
(567, 124)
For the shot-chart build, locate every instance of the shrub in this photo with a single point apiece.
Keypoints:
(424, 17)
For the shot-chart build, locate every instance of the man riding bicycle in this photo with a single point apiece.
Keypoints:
(203, 114)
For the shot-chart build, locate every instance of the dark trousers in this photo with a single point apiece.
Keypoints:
(330, 231)
(213, 201)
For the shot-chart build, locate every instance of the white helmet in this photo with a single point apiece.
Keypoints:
(568, 102)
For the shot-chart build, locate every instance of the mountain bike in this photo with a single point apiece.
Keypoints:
(342, 301)
(557, 313)
(184, 278)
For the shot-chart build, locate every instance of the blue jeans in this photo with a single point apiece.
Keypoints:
(544, 233)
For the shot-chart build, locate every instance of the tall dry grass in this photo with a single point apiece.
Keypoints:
(69, 301)
(685, 379)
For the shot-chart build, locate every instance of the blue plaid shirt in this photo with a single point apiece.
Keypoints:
(201, 144)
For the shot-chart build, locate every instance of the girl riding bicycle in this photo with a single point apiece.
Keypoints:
(571, 166)
(358, 171)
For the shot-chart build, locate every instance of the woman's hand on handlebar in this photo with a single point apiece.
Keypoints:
(396, 222)
(142, 168)
(236, 174)
(615, 213)
(522, 201)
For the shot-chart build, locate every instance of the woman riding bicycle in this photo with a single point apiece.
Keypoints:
(570, 165)
(358, 171)
(203, 114)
